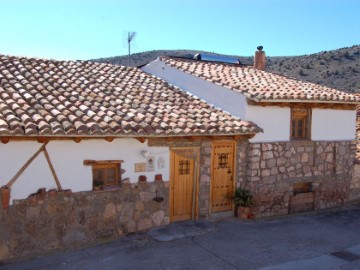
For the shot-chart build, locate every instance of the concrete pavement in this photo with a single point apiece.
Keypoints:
(323, 240)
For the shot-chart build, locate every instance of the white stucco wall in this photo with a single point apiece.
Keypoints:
(328, 124)
(221, 97)
(67, 158)
(275, 121)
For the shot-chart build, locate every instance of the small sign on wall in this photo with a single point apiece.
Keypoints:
(140, 167)
(161, 163)
(150, 164)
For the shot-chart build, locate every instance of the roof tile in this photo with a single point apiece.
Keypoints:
(260, 85)
(47, 97)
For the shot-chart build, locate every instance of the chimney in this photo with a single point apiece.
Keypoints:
(259, 61)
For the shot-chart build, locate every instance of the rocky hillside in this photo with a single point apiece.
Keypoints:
(339, 69)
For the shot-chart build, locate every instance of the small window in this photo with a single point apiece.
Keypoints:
(300, 124)
(105, 173)
(303, 187)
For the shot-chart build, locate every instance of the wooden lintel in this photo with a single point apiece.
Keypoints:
(5, 140)
(109, 139)
(216, 138)
(243, 137)
(307, 105)
(93, 162)
(142, 140)
(197, 138)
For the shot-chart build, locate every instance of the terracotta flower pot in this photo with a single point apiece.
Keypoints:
(244, 212)
(5, 197)
(142, 178)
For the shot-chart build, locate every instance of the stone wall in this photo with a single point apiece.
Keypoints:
(61, 220)
(273, 168)
(241, 162)
(205, 180)
(355, 182)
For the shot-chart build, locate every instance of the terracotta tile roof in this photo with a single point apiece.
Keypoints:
(260, 85)
(70, 98)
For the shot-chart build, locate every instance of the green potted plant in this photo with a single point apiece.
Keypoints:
(98, 185)
(243, 200)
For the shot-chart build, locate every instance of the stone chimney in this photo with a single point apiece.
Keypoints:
(259, 61)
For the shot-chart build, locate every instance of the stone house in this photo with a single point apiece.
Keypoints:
(94, 151)
(304, 158)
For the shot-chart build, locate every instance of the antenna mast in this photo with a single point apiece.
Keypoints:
(131, 36)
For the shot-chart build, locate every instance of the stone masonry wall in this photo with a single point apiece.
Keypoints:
(52, 221)
(273, 168)
(241, 162)
(355, 182)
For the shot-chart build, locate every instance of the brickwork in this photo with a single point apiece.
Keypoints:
(273, 168)
(61, 220)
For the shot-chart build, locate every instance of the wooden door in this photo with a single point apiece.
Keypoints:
(222, 176)
(182, 185)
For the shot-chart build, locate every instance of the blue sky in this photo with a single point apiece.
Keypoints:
(79, 29)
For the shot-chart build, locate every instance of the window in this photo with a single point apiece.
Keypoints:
(105, 173)
(300, 124)
(303, 187)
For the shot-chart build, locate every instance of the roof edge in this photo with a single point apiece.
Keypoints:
(307, 101)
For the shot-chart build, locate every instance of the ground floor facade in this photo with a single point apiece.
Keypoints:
(292, 242)
(195, 180)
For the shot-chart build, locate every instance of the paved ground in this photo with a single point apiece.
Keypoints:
(323, 240)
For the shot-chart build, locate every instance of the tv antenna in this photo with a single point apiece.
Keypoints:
(131, 36)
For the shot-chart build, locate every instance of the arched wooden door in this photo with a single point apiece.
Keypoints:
(222, 186)
(183, 184)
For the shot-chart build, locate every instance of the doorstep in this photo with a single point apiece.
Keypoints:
(221, 215)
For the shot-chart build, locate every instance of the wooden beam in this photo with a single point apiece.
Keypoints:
(77, 139)
(23, 168)
(142, 140)
(42, 139)
(5, 140)
(109, 139)
(243, 137)
(93, 162)
(197, 138)
(306, 105)
(52, 169)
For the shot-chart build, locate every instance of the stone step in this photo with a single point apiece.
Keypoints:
(221, 215)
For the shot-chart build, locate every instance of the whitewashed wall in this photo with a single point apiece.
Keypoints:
(275, 121)
(220, 97)
(67, 158)
(328, 124)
